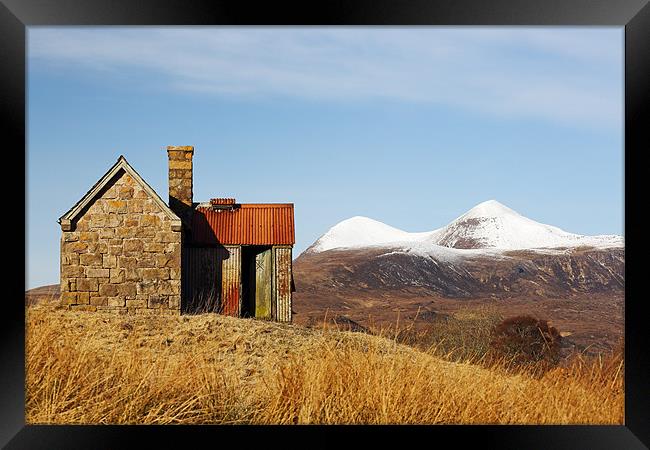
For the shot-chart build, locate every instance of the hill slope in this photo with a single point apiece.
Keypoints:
(215, 369)
(48, 293)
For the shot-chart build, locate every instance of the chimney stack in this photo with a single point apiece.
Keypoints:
(180, 180)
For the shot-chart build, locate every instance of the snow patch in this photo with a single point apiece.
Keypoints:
(490, 228)
(493, 225)
(362, 231)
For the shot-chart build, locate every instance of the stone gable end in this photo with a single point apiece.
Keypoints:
(122, 254)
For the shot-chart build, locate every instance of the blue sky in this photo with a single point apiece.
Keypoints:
(408, 126)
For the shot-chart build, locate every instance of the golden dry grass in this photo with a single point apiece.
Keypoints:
(108, 369)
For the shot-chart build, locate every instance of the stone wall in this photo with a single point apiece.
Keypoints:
(122, 255)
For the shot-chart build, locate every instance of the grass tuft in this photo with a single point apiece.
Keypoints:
(99, 368)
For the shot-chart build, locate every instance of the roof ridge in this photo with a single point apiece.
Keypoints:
(67, 219)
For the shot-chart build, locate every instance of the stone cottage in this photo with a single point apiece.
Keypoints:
(123, 249)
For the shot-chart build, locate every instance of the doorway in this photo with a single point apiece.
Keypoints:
(257, 270)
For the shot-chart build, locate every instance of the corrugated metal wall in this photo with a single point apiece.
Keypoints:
(211, 279)
(282, 283)
(206, 268)
(200, 276)
(231, 281)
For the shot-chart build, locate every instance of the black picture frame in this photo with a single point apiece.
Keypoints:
(634, 15)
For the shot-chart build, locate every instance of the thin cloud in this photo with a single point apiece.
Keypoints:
(571, 76)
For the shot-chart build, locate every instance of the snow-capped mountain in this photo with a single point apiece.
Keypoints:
(493, 225)
(362, 231)
(489, 225)
(371, 272)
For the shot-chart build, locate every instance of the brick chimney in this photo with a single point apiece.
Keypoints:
(180, 180)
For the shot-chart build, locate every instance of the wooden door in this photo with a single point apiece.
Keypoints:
(263, 272)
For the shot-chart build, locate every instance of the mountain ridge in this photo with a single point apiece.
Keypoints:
(490, 256)
(488, 225)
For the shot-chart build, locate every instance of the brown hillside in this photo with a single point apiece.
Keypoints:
(581, 293)
(104, 368)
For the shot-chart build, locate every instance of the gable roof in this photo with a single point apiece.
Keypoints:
(122, 164)
(244, 224)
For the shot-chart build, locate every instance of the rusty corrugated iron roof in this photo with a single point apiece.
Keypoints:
(245, 224)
